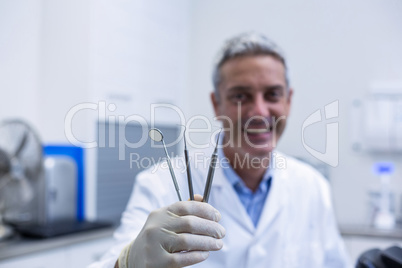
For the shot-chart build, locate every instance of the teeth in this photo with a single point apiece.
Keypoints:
(258, 130)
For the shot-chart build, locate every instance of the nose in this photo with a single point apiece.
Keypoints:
(259, 107)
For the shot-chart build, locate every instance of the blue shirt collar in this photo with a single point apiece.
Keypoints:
(235, 180)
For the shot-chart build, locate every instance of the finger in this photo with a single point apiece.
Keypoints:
(196, 225)
(190, 242)
(199, 209)
(198, 197)
(182, 259)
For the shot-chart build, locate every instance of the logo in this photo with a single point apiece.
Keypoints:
(331, 154)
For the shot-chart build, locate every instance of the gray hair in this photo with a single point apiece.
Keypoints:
(246, 44)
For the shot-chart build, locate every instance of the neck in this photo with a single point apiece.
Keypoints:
(250, 169)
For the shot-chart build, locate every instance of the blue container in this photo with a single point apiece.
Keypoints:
(77, 153)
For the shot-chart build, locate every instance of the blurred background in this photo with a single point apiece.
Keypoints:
(71, 68)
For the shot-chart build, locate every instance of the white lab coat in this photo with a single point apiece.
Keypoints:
(297, 228)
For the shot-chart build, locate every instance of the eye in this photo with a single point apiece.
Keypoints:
(273, 95)
(238, 97)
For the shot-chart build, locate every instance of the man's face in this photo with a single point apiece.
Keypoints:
(253, 104)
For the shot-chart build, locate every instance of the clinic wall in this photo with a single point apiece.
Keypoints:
(64, 67)
(20, 28)
(57, 54)
(44, 63)
(335, 50)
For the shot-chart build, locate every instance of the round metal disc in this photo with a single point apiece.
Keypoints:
(155, 134)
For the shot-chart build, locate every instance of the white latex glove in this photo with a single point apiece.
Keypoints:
(178, 235)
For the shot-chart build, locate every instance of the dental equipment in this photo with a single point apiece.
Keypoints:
(211, 171)
(188, 169)
(156, 135)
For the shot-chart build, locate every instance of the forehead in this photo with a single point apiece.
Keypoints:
(252, 69)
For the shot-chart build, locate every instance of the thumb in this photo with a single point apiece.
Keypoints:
(197, 197)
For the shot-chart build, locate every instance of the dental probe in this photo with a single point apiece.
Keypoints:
(188, 169)
(211, 171)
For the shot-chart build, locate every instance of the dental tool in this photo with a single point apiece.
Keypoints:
(188, 169)
(156, 135)
(211, 171)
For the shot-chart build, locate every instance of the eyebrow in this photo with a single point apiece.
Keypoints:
(239, 89)
(275, 87)
(246, 88)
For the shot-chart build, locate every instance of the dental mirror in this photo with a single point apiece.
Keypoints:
(155, 134)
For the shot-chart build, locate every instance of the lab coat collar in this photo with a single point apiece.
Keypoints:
(233, 177)
(224, 191)
(274, 203)
(223, 162)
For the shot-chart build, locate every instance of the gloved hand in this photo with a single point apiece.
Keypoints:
(178, 235)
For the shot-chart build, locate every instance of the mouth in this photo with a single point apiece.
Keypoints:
(258, 130)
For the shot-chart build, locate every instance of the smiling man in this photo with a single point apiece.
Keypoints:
(252, 97)
(258, 215)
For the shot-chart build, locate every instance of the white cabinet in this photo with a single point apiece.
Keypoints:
(50, 259)
(77, 255)
(81, 255)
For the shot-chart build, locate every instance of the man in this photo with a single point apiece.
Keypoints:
(265, 209)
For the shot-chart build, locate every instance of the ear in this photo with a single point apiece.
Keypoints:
(289, 100)
(215, 103)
